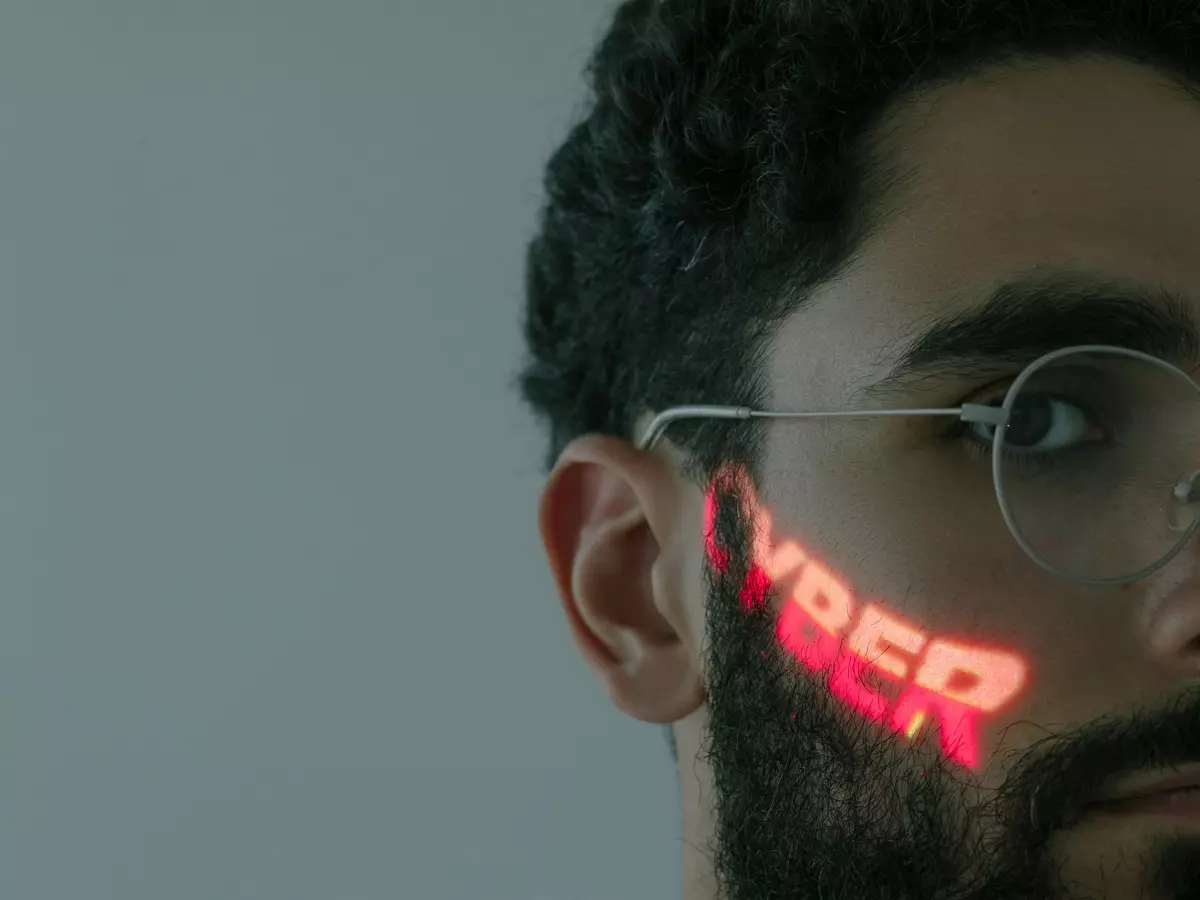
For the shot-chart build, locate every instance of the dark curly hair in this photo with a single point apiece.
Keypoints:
(731, 159)
(726, 167)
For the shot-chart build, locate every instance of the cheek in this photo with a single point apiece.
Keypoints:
(887, 665)
(932, 628)
(967, 650)
(974, 585)
(934, 549)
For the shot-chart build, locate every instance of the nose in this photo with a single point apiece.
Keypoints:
(1173, 607)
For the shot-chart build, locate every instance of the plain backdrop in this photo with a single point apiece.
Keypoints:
(276, 623)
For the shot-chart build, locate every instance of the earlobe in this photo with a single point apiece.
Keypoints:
(620, 592)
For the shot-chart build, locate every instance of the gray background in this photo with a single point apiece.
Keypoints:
(276, 622)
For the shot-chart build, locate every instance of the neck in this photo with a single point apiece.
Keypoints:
(699, 818)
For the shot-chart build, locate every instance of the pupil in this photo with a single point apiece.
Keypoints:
(1029, 422)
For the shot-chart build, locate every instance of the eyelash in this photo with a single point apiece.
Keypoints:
(981, 451)
(1026, 462)
(1023, 463)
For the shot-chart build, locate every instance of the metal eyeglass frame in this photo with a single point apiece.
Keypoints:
(1187, 489)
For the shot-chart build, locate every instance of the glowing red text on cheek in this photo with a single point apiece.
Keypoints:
(939, 679)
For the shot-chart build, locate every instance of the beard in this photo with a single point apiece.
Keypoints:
(813, 801)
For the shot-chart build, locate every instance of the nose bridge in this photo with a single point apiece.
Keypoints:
(1152, 509)
(1177, 425)
(1184, 502)
(1172, 594)
(1169, 422)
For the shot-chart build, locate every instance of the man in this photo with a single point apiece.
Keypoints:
(945, 644)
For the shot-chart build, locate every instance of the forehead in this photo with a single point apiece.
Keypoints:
(1088, 165)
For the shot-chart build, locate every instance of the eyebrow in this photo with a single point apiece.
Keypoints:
(1025, 318)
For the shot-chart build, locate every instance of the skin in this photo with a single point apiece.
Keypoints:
(1090, 165)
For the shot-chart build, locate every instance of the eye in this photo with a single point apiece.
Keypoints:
(1043, 423)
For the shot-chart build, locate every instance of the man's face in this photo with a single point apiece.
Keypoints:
(1091, 168)
(963, 763)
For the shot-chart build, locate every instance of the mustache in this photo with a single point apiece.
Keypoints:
(1060, 776)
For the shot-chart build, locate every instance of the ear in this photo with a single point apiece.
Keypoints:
(610, 518)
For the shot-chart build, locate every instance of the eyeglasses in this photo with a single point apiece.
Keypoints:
(1095, 457)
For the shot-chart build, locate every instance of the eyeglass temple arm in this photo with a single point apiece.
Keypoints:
(968, 412)
(658, 425)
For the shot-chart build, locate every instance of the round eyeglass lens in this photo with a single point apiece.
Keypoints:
(1098, 463)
